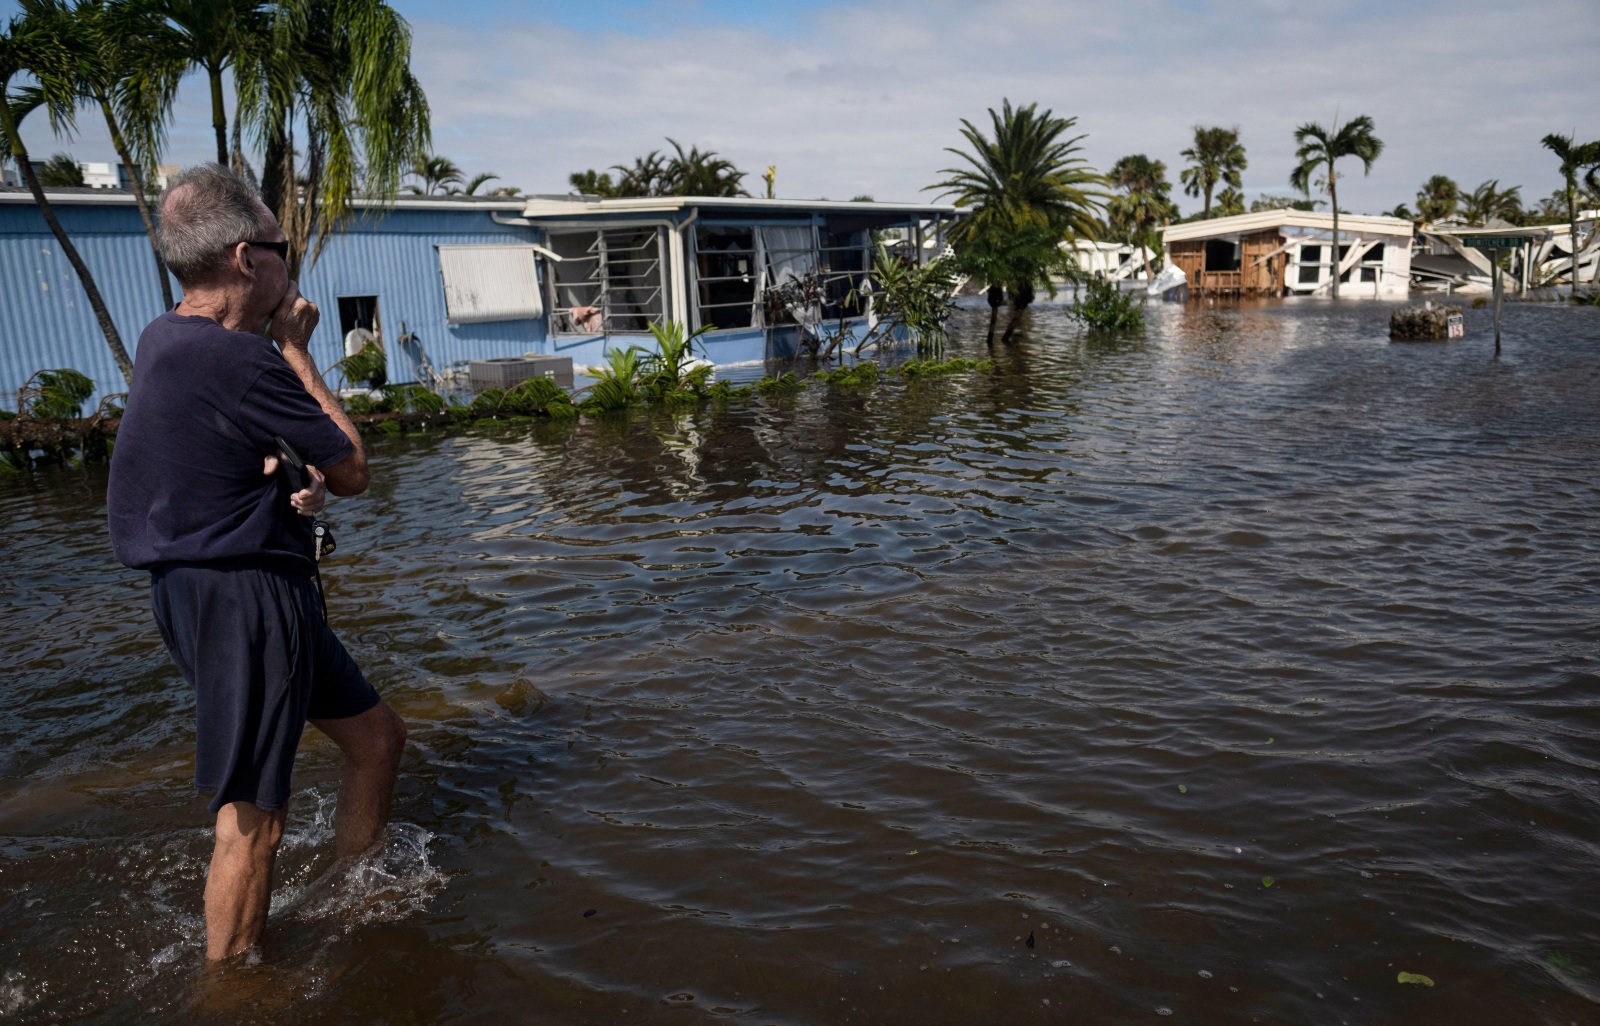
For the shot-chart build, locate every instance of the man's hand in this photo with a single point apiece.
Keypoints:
(294, 320)
(307, 502)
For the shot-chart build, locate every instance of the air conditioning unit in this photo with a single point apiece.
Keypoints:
(505, 371)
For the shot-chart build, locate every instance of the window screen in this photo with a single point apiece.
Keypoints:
(489, 283)
(613, 278)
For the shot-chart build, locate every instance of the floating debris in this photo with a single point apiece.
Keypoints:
(1415, 978)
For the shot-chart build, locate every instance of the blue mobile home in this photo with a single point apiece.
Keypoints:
(467, 278)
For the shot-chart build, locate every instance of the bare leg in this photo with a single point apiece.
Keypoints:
(372, 744)
(239, 886)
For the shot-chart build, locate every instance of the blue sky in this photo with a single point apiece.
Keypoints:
(862, 96)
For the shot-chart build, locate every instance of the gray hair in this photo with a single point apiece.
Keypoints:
(206, 210)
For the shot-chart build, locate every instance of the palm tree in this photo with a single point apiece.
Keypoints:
(61, 172)
(1437, 199)
(1574, 158)
(28, 45)
(1024, 186)
(438, 175)
(122, 65)
(694, 173)
(1490, 201)
(340, 72)
(645, 178)
(592, 183)
(212, 35)
(1230, 201)
(1145, 202)
(1320, 148)
(1215, 158)
(478, 181)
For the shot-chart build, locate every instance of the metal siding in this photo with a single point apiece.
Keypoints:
(45, 317)
(46, 322)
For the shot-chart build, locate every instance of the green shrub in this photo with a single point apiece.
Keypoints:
(358, 404)
(932, 368)
(864, 373)
(1103, 307)
(784, 384)
(58, 394)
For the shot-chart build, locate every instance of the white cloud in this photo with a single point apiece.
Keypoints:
(863, 97)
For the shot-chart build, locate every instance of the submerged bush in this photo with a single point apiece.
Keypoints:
(55, 394)
(932, 368)
(864, 373)
(784, 384)
(1103, 307)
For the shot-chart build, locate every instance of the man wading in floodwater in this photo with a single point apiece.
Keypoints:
(194, 500)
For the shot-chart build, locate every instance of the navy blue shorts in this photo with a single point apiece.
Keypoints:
(253, 645)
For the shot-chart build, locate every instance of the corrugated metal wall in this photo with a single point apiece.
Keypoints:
(46, 321)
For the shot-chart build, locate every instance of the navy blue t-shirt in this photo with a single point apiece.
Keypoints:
(186, 483)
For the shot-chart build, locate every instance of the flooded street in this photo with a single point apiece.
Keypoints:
(1223, 674)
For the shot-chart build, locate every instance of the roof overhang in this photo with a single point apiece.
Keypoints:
(546, 208)
(122, 197)
(1267, 220)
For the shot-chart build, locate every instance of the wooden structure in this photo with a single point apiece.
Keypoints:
(1290, 252)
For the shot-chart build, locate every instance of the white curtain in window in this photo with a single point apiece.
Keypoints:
(791, 253)
(490, 283)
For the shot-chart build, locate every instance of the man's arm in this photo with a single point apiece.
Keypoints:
(292, 324)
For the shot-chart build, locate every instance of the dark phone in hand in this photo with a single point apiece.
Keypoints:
(291, 466)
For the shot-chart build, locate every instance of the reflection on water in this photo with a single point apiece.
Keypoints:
(1241, 667)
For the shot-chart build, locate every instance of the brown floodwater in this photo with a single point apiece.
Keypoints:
(1223, 674)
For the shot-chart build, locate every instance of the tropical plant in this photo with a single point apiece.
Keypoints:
(1230, 201)
(1028, 191)
(120, 58)
(61, 171)
(1438, 199)
(1265, 202)
(28, 45)
(478, 182)
(1401, 211)
(333, 85)
(647, 176)
(592, 183)
(672, 373)
(213, 35)
(1106, 309)
(1014, 267)
(1574, 157)
(1144, 202)
(692, 173)
(1488, 200)
(54, 394)
(1320, 150)
(1216, 158)
(437, 175)
(912, 297)
(616, 384)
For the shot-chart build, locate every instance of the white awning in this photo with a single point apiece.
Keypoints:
(490, 283)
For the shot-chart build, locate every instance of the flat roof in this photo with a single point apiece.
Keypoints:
(579, 206)
(1537, 231)
(119, 197)
(1266, 220)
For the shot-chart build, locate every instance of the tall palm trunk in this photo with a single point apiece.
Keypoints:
(1144, 251)
(121, 146)
(996, 296)
(219, 113)
(1333, 197)
(19, 156)
(1207, 211)
(1021, 298)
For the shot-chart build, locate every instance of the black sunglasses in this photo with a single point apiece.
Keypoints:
(280, 248)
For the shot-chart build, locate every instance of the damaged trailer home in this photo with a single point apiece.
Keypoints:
(1456, 257)
(439, 281)
(757, 273)
(1293, 253)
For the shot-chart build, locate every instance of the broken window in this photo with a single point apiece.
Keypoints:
(844, 271)
(608, 281)
(1369, 274)
(357, 312)
(725, 265)
(1222, 255)
(1373, 255)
